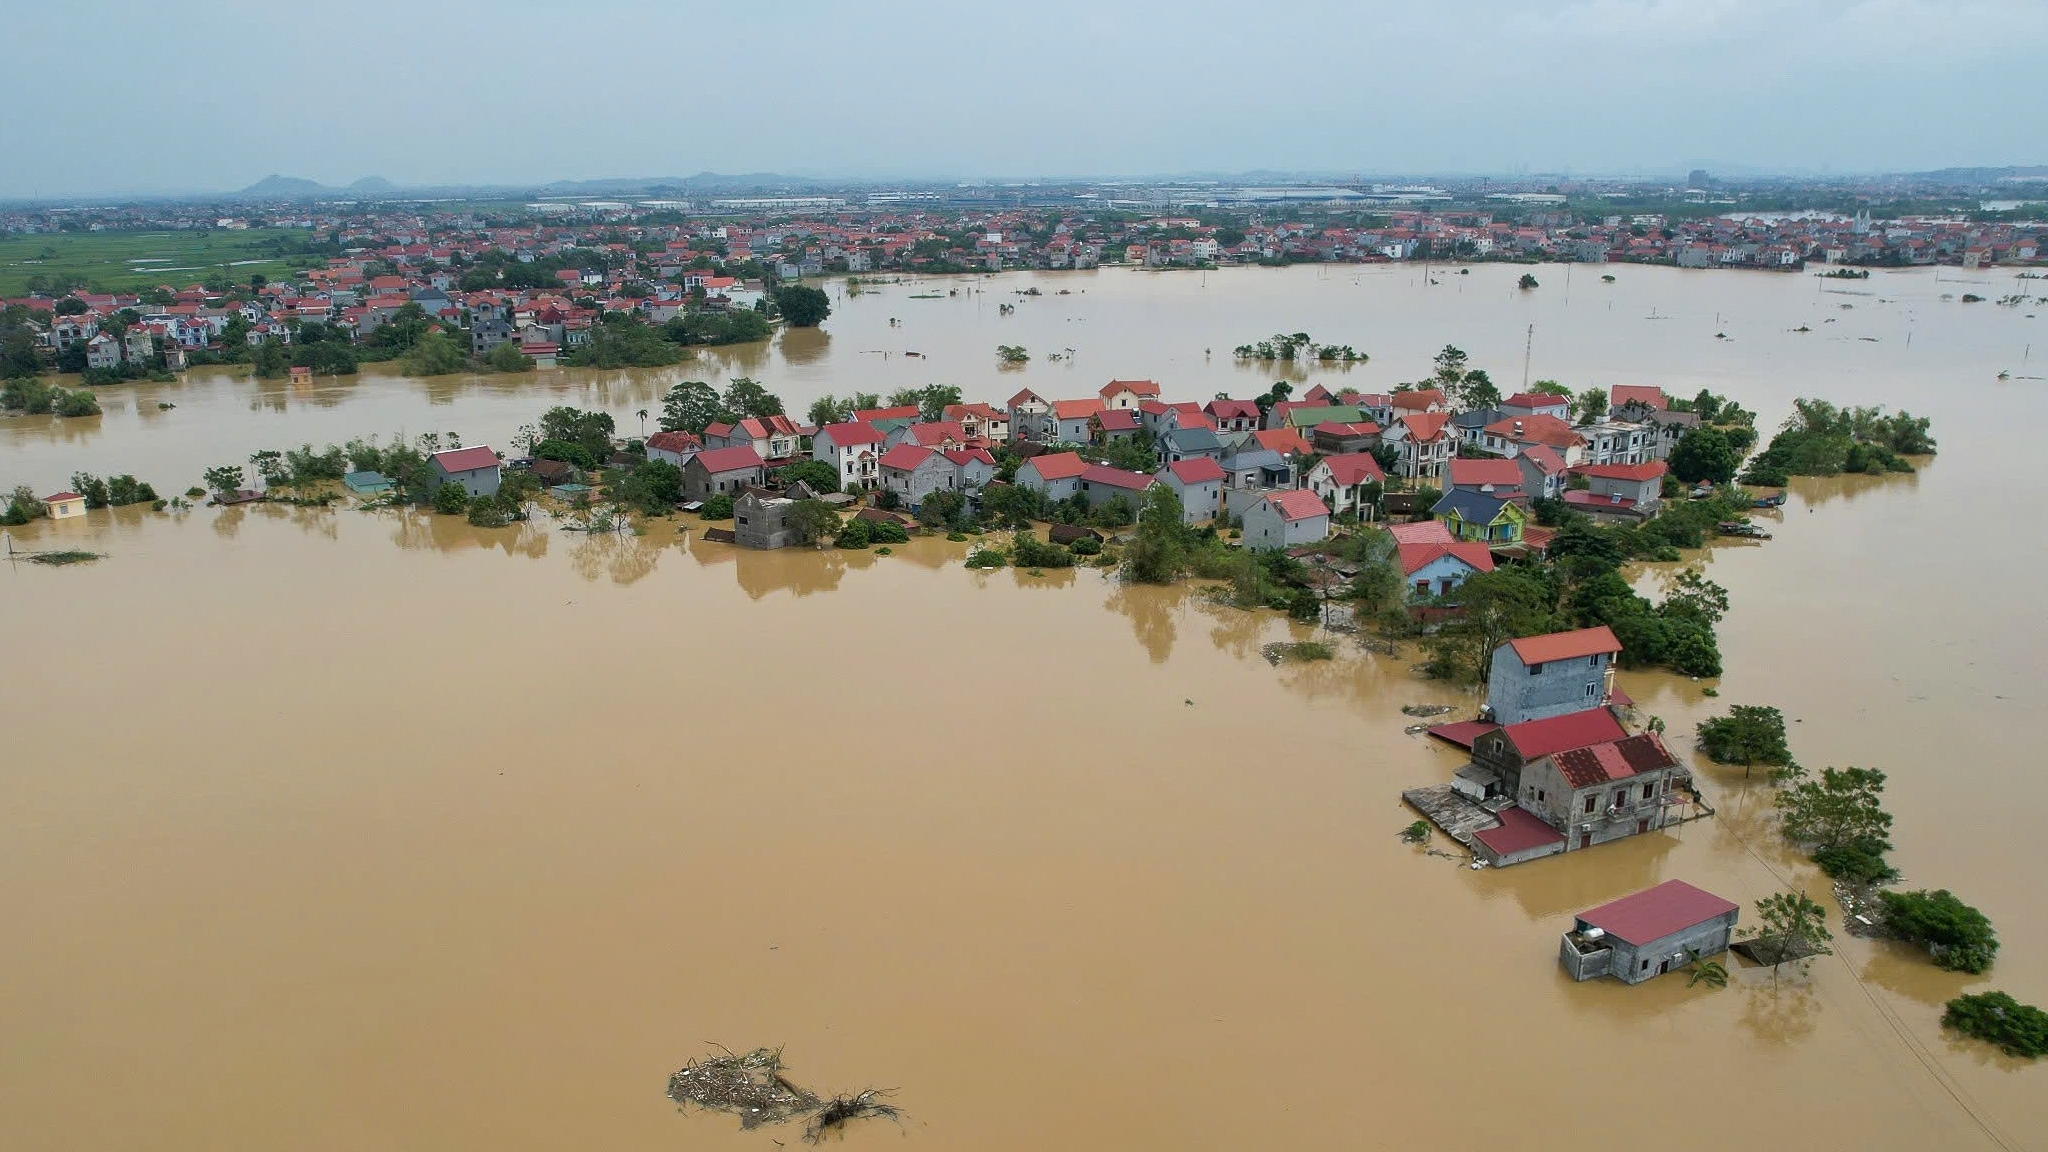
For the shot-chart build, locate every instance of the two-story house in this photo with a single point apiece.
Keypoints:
(853, 450)
(1055, 476)
(1343, 483)
(1631, 491)
(771, 437)
(1128, 393)
(1493, 520)
(1422, 443)
(1537, 677)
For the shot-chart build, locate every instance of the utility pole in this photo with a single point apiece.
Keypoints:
(1528, 343)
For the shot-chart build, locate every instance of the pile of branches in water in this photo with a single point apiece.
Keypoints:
(59, 559)
(751, 1085)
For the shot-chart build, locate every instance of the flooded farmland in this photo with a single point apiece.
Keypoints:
(327, 830)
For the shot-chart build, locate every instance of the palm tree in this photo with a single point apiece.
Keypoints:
(1712, 973)
(643, 422)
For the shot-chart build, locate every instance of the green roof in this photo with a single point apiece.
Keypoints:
(367, 482)
(1310, 417)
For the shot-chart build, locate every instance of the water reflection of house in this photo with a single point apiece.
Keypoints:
(1644, 935)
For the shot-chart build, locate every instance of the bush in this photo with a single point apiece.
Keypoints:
(855, 534)
(1031, 552)
(1996, 1018)
(719, 507)
(887, 500)
(1856, 864)
(1085, 546)
(1959, 936)
(986, 558)
(487, 512)
(451, 499)
(888, 532)
(566, 452)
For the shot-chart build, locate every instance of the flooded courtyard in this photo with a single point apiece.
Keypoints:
(328, 830)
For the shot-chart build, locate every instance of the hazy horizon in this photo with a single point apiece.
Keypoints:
(518, 94)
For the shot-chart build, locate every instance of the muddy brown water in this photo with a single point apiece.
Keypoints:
(328, 830)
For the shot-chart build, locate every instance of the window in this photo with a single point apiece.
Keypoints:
(1620, 797)
(1535, 669)
(1540, 795)
(1592, 690)
(1590, 801)
(1593, 661)
(1649, 789)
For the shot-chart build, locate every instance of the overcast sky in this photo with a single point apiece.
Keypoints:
(108, 98)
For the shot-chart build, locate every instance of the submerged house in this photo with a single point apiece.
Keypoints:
(1537, 677)
(1642, 936)
(474, 468)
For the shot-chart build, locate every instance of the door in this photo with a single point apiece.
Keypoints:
(1642, 825)
(1585, 839)
(1663, 967)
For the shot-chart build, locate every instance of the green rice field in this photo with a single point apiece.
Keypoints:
(110, 261)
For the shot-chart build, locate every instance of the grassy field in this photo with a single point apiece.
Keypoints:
(124, 260)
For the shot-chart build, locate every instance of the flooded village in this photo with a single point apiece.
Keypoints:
(498, 827)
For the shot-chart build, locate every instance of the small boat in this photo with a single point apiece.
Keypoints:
(1776, 500)
(1703, 492)
(1742, 528)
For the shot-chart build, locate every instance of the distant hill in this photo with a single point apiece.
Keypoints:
(274, 185)
(373, 184)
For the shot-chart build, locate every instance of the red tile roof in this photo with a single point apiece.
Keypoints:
(937, 432)
(53, 497)
(1463, 733)
(1478, 473)
(1057, 465)
(674, 442)
(1565, 645)
(1025, 396)
(1117, 478)
(1654, 913)
(1533, 738)
(1616, 760)
(1232, 409)
(465, 459)
(731, 459)
(1652, 470)
(1426, 426)
(1354, 468)
(1415, 557)
(1421, 532)
(906, 457)
(870, 415)
(1075, 409)
(1282, 440)
(1199, 470)
(1545, 458)
(1536, 400)
(1297, 504)
(1519, 831)
(1535, 430)
(851, 433)
(1135, 387)
(1418, 398)
(1119, 420)
(1649, 394)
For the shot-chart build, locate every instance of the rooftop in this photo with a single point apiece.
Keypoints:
(1655, 913)
(1565, 645)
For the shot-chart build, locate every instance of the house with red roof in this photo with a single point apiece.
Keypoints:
(1537, 404)
(1646, 934)
(980, 421)
(771, 437)
(1285, 519)
(1630, 491)
(1603, 791)
(1647, 395)
(914, 472)
(722, 472)
(1423, 443)
(1418, 400)
(1512, 436)
(1055, 476)
(1437, 568)
(938, 435)
(1101, 483)
(1543, 472)
(673, 447)
(1198, 481)
(1233, 415)
(1128, 393)
(474, 468)
(854, 450)
(1114, 424)
(1029, 414)
(1537, 677)
(1488, 475)
(1348, 483)
(1071, 420)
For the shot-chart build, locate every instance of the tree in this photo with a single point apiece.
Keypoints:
(91, 487)
(690, 406)
(1158, 554)
(1791, 926)
(1704, 454)
(933, 400)
(1592, 405)
(1749, 735)
(820, 476)
(1476, 391)
(451, 499)
(854, 534)
(1011, 354)
(826, 410)
(1009, 506)
(223, 480)
(1695, 597)
(434, 354)
(270, 360)
(1495, 607)
(2018, 1029)
(1450, 365)
(1527, 282)
(812, 520)
(1958, 936)
(1842, 809)
(718, 507)
(941, 508)
(590, 431)
(1701, 970)
(746, 397)
(507, 357)
(802, 306)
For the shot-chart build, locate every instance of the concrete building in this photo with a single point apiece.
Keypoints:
(761, 521)
(673, 447)
(1644, 935)
(1055, 476)
(1286, 519)
(63, 505)
(1342, 482)
(1537, 677)
(914, 473)
(852, 449)
(475, 468)
(1100, 484)
(722, 472)
(1199, 484)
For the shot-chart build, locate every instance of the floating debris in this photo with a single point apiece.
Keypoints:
(1426, 709)
(56, 559)
(751, 1085)
(1298, 651)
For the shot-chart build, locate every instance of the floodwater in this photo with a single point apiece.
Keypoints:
(327, 830)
